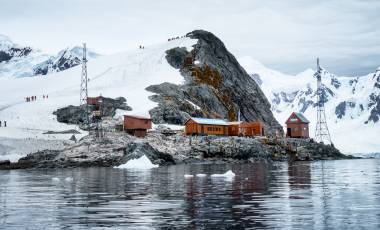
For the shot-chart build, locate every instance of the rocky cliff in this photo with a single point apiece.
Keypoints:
(216, 86)
(116, 148)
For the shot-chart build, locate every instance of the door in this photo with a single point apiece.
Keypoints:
(289, 132)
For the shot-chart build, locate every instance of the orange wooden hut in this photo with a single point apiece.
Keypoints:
(137, 125)
(205, 126)
(253, 128)
(234, 128)
(297, 126)
(248, 129)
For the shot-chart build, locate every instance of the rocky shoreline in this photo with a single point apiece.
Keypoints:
(117, 148)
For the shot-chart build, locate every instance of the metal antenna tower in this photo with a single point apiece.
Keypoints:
(322, 133)
(83, 85)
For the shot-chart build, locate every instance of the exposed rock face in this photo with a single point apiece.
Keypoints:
(216, 86)
(6, 55)
(375, 105)
(113, 150)
(118, 148)
(174, 107)
(77, 114)
(335, 82)
(340, 110)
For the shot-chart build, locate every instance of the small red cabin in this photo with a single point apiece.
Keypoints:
(297, 126)
(137, 125)
(92, 100)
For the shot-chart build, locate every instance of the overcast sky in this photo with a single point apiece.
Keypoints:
(286, 35)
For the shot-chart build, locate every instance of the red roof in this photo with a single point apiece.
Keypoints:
(297, 117)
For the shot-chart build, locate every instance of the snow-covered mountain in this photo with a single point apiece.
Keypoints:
(24, 61)
(352, 107)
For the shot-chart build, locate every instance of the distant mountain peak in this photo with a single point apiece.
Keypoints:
(18, 61)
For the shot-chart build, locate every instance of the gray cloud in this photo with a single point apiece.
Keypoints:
(286, 35)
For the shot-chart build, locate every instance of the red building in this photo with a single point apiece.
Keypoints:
(93, 100)
(297, 126)
(246, 129)
(137, 125)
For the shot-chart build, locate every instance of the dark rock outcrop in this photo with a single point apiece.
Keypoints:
(77, 114)
(335, 82)
(135, 150)
(215, 83)
(117, 148)
(6, 55)
(113, 150)
(340, 109)
(374, 104)
(174, 104)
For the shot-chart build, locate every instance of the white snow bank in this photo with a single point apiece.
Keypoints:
(140, 163)
(228, 175)
(201, 175)
(188, 176)
(170, 126)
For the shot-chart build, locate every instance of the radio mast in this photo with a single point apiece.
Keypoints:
(83, 85)
(322, 133)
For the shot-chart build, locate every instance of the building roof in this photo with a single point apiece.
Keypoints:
(301, 117)
(235, 122)
(207, 121)
(138, 117)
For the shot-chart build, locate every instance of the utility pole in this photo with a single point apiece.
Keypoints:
(83, 86)
(97, 116)
(322, 133)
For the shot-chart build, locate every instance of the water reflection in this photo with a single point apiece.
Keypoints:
(302, 195)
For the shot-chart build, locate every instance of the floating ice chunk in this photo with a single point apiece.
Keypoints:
(228, 175)
(141, 163)
(69, 179)
(55, 179)
(188, 176)
(201, 175)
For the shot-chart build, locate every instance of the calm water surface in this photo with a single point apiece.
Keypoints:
(306, 195)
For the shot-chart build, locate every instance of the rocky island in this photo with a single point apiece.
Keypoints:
(214, 86)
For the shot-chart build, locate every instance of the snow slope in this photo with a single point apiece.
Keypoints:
(347, 110)
(124, 74)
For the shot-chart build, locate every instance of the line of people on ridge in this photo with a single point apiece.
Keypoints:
(34, 98)
(175, 38)
(5, 123)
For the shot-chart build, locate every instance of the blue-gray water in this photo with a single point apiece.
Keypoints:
(306, 195)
